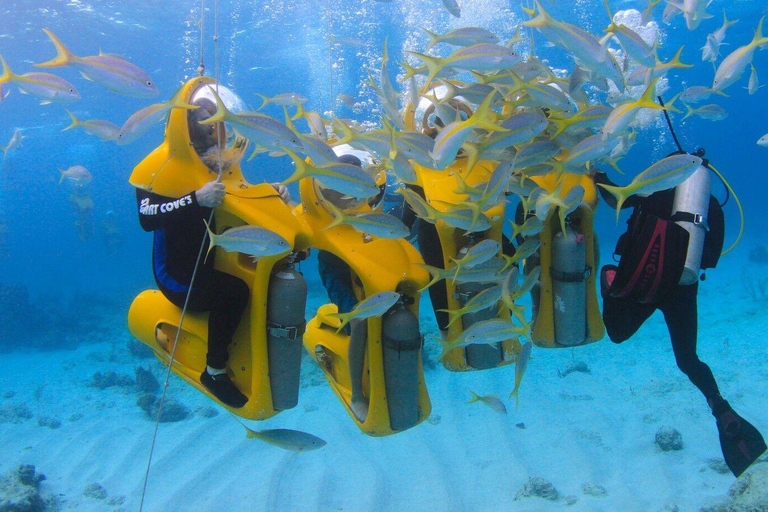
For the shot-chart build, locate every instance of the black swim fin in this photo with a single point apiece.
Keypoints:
(740, 441)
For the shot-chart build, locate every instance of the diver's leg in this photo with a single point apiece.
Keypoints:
(432, 251)
(357, 344)
(680, 313)
(740, 441)
(622, 318)
(228, 300)
(336, 277)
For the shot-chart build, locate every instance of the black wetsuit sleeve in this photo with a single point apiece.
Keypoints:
(157, 212)
(601, 178)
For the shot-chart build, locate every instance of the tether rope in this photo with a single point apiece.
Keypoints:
(201, 70)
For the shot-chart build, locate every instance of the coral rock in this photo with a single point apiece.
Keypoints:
(669, 439)
(146, 382)
(540, 488)
(95, 491)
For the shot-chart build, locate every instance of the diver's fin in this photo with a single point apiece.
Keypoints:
(740, 441)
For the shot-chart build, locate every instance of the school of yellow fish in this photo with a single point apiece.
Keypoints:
(527, 116)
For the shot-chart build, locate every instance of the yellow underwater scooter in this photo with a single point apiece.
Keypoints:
(567, 313)
(265, 354)
(439, 188)
(393, 374)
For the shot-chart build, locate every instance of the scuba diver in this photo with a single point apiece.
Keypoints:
(336, 276)
(178, 224)
(112, 237)
(672, 235)
(82, 205)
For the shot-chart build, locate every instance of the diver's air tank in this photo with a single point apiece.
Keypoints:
(692, 196)
(401, 342)
(478, 356)
(569, 287)
(286, 301)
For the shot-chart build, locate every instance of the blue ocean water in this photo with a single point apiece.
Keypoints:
(78, 272)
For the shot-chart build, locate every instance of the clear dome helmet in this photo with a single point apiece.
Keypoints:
(429, 114)
(369, 164)
(211, 140)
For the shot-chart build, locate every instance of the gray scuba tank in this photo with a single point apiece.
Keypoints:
(569, 288)
(286, 302)
(692, 199)
(478, 356)
(401, 343)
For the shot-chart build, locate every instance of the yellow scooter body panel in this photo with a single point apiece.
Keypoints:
(544, 329)
(379, 265)
(173, 170)
(440, 192)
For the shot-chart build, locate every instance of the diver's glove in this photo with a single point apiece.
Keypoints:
(211, 194)
(283, 191)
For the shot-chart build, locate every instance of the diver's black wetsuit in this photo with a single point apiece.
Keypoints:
(179, 230)
(623, 317)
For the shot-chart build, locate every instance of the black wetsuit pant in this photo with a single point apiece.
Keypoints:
(225, 297)
(624, 317)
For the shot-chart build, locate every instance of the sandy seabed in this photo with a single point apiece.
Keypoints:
(591, 435)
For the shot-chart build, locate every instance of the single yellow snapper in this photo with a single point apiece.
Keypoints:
(286, 439)
(492, 401)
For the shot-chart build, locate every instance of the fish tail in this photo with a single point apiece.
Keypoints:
(447, 347)
(613, 162)
(620, 193)
(339, 217)
(454, 313)
(347, 134)
(410, 71)
(61, 178)
(433, 38)
(475, 397)
(435, 273)
(689, 113)
(63, 55)
(301, 168)
(178, 102)
(543, 18)
(344, 317)
(676, 62)
(482, 116)
(647, 99)
(289, 120)
(434, 65)
(222, 114)
(473, 154)
(458, 269)
(7, 75)
(515, 229)
(728, 23)
(264, 100)
(249, 433)
(75, 121)
(561, 125)
(212, 237)
(561, 215)
(759, 40)
(610, 15)
(670, 106)
(385, 54)
(300, 112)
(508, 262)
